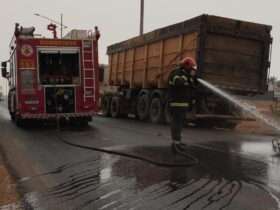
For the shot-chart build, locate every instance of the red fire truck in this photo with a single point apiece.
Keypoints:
(52, 78)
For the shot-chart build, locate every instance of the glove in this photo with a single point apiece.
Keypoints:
(194, 82)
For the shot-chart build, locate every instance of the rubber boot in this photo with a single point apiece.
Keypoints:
(175, 146)
(182, 146)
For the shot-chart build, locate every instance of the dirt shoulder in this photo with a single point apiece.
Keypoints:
(8, 192)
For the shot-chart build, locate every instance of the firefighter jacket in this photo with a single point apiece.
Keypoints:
(181, 89)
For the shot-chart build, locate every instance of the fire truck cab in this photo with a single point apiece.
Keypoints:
(52, 78)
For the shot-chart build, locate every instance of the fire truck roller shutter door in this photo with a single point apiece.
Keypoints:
(60, 66)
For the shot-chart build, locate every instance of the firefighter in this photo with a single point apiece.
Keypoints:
(181, 95)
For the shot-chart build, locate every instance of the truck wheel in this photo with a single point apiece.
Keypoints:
(19, 121)
(78, 122)
(143, 107)
(115, 107)
(12, 115)
(106, 105)
(156, 111)
(167, 117)
(82, 122)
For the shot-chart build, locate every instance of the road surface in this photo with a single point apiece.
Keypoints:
(236, 171)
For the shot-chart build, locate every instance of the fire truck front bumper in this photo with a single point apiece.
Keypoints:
(58, 115)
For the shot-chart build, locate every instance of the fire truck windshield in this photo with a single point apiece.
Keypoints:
(59, 68)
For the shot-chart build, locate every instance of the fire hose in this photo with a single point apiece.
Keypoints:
(177, 149)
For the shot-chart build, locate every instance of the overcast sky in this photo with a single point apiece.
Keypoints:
(119, 20)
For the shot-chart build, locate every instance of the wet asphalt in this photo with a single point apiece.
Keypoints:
(236, 171)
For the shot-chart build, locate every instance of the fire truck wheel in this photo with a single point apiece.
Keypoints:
(106, 105)
(80, 121)
(156, 111)
(12, 116)
(143, 107)
(83, 122)
(19, 121)
(167, 117)
(115, 107)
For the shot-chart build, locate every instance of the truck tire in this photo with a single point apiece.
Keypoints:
(115, 107)
(156, 111)
(12, 113)
(82, 122)
(79, 122)
(143, 107)
(106, 105)
(20, 122)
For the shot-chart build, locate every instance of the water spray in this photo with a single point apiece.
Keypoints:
(247, 108)
(276, 145)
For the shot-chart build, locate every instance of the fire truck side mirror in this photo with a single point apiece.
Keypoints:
(4, 69)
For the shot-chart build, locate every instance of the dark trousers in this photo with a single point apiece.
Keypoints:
(178, 116)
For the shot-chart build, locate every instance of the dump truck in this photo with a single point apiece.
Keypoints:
(51, 78)
(231, 54)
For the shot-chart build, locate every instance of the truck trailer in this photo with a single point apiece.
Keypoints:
(233, 55)
(51, 78)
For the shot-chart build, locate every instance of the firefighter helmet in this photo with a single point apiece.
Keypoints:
(188, 63)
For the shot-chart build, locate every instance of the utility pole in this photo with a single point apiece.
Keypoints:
(142, 17)
(61, 25)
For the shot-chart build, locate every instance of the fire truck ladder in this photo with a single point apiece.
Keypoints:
(89, 73)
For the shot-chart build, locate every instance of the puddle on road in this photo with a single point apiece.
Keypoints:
(258, 148)
(222, 181)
